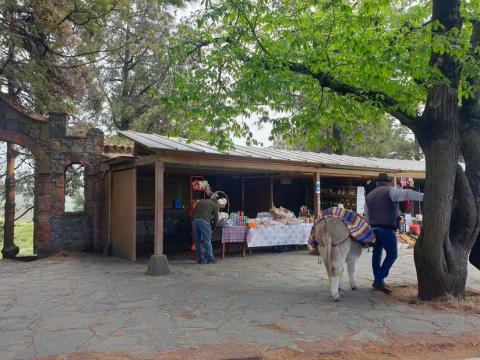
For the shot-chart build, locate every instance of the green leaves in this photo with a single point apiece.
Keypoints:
(359, 61)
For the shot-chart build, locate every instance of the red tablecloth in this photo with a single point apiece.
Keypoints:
(234, 234)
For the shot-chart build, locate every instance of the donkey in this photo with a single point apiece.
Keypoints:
(336, 247)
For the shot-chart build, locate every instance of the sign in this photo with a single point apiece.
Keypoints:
(317, 187)
(360, 200)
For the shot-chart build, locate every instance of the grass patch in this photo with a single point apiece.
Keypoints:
(23, 236)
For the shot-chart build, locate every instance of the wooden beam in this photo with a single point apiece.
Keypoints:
(233, 164)
(145, 160)
(159, 199)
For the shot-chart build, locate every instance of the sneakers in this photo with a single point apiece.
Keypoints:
(201, 261)
(382, 287)
(212, 261)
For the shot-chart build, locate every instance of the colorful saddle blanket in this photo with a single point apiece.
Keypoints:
(358, 227)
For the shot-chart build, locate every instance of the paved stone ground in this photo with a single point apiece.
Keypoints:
(91, 304)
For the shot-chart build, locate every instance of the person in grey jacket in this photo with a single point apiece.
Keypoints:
(383, 213)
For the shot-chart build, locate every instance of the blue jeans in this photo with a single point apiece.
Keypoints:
(386, 239)
(202, 231)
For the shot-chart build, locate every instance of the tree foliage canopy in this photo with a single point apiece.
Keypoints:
(44, 47)
(318, 63)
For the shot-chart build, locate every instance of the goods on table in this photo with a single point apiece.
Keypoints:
(408, 239)
(264, 215)
(200, 185)
(282, 214)
(304, 212)
(238, 219)
(305, 216)
(415, 229)
(266, 222)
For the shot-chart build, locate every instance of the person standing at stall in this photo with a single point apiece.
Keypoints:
(383, 213)
(204, 218)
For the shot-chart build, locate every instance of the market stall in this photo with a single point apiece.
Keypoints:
(278, 227)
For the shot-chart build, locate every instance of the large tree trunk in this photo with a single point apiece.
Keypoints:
(471, 141)
(437, 258)
(10, 250)
(451, 216)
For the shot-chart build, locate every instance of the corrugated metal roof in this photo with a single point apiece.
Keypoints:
(162, 143)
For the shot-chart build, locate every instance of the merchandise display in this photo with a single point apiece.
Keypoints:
(346, 195)
(409, 239)
(200, 185)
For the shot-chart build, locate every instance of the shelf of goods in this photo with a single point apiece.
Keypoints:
(346, 195)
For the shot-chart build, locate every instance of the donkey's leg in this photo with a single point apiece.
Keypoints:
(352, 257)
(334, 287)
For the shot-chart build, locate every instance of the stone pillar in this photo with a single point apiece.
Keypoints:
(43, 213)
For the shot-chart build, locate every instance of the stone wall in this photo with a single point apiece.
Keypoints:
(54, 151)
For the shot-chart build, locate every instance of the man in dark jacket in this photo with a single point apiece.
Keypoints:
(205, 215)
(383, 213)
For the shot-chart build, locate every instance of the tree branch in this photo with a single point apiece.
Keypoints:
(25, 212)
(326, 80)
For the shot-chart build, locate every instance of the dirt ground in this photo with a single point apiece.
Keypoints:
(412, 347)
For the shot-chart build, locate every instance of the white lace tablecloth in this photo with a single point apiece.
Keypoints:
(296, 234)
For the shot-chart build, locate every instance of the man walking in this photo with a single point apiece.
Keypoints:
(383, 213)
(205, 216)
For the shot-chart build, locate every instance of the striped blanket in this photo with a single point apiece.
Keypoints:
(357, 226)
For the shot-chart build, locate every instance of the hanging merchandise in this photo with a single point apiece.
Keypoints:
(406, 183)
(200, 185)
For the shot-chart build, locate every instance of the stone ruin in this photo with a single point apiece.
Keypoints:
(46, 138)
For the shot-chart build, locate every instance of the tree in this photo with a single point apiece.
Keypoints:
(416, 60)
(136, 69)
(382, 139)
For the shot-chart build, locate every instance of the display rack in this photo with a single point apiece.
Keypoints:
(347, 195)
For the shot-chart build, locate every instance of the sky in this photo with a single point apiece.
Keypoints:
(261, 134)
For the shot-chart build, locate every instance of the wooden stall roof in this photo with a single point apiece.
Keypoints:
(179, 151)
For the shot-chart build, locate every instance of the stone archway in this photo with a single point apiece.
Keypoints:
(47, 139)
(41, 226)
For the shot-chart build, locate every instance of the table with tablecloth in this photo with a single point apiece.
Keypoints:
(234, 234)
(294, 234)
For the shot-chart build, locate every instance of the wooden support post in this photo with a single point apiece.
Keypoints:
(159, 195)
(316, 196)
(108, 210)
(158, 264)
